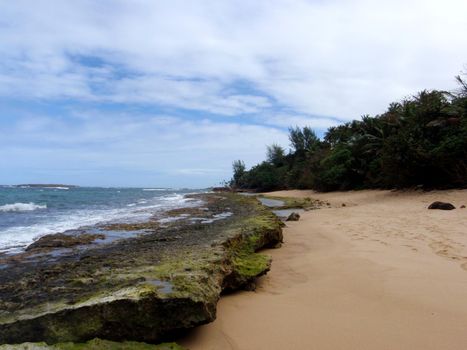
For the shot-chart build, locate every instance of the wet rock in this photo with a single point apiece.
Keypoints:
(95, 344)
(441, 205)
(144, 288)
(189, 211)
(138, 226)
(222, 189)
(61, 240)
(293, 217)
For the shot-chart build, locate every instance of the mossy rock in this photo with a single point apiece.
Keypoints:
(138, 226)
(296, 203)
(61, 240)
(144, 288)
(95, 344)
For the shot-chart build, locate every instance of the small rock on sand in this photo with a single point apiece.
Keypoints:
(441, 205)
(293, 217)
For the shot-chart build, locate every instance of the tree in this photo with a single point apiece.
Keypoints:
(463, 84)
(275, 155)
(238, 172)
(303, 140)
(421, 140)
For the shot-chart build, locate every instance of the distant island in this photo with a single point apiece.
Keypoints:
(46, 185)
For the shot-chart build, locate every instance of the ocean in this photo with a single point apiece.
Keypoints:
(27, 213)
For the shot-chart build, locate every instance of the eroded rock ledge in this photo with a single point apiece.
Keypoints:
(146, 288)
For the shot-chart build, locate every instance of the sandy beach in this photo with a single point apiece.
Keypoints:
(381, 272)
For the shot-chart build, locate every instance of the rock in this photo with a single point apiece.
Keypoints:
(344, 205)
(222, 189)
(250, 287)
(95, 344)
(61, 240)
(138, 226)
(293, 217)
(462, 206)
(146, 288)
(441, 205)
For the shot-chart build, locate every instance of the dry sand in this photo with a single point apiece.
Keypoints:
(383, 272)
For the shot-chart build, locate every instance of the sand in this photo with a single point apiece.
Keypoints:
(383, 272)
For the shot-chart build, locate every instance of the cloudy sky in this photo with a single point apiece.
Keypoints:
(168, 93)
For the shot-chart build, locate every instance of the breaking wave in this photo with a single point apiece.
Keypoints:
(22, 207)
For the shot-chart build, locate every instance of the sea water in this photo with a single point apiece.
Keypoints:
(27, 213)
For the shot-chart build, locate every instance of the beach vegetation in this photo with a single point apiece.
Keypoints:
(420, 141)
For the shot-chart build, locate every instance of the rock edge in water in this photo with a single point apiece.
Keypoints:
(146, 288)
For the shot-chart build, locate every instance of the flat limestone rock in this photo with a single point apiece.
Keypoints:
(149, 287)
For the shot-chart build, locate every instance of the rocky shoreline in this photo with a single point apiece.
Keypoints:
(165, 279)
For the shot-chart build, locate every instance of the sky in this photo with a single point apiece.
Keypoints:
(169, 93)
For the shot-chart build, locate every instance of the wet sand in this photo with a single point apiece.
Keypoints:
(381, 272)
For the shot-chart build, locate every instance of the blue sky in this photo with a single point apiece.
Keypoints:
(159, 93)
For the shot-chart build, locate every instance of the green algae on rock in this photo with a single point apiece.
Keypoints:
(61, 240)
(144, 288)
(95, 344)
(306, 203)
(137, 226)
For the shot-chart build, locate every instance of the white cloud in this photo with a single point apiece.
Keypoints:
(293, 120)
(335, 58)
(173, 151)
(187, 94)
(273, 63)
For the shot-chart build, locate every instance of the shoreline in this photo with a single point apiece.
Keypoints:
(145, 288)
(381, 272)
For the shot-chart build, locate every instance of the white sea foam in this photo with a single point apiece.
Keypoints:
(21, 207)
(175, 197)
(15, 239)
(217, 217)
(173, 218)
(155, 189)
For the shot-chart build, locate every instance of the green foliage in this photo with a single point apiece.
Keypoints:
(275, 155)
(238, 171)
(336, 170)
(420, 141)
(303, 140)
(463, 84)
(264, 177)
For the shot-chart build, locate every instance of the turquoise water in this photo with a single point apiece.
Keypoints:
(27, 213)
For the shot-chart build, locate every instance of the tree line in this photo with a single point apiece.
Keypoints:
(419, 141)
